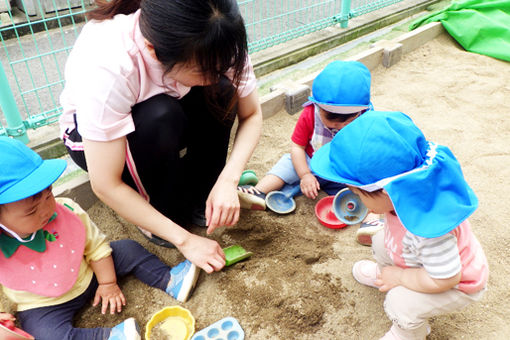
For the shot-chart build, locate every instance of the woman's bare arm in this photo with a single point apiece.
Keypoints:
(105, 162)
(222, 206)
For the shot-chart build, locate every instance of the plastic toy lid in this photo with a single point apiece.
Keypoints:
(280, 203)
(326, 215)
(176, 321)
(13, 334)
(348, 207)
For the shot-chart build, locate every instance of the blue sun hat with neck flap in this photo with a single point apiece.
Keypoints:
(342, 87)
(23, 172)
(387, 150)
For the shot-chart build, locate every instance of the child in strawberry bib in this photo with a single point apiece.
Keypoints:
(54, 260)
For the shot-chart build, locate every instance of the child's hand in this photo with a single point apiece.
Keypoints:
(109, 293)
(7, 320)
(309, 186)
(389, 278)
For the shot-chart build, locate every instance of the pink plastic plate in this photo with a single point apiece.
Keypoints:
(325, 214)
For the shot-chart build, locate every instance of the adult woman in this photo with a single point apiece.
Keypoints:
(152, 90)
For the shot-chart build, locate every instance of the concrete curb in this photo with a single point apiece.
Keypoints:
(79, 190)
(298, 49)
(385, 52)
(288, 97)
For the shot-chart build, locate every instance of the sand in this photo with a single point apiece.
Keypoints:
(298, 283)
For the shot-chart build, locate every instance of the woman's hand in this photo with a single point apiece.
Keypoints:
(109, 294)
(222, 206)
(203, 252)
(309, 185)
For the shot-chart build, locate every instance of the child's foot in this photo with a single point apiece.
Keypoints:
(368, 229)
(183, 279)
(390, 335)
(251, 198)
(365, 272)
(126, 330)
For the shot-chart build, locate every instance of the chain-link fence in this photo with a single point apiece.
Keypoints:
(37, 36)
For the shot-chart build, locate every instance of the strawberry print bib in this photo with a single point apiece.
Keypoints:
(54, 271)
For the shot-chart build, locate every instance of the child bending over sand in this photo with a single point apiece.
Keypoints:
(427, 259)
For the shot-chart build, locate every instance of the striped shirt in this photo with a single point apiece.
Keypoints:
(439, 256)
(442, 257)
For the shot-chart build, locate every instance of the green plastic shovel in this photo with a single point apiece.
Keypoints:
(234, 254)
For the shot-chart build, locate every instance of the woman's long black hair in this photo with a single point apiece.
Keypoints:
(210, 33)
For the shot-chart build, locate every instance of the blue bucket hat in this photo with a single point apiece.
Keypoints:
(23, 173)
(342, 87)
(387, 150)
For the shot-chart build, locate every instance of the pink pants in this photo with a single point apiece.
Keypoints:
(409, 310)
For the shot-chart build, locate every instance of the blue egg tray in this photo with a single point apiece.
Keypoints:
(225, 329)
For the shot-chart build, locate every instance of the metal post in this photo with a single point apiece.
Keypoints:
(15, 126)
(346, 10)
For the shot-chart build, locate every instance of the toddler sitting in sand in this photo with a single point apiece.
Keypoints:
(54, 260)
(340, 94)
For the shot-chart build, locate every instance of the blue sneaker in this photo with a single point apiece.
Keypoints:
(126, 330)
(183, 279)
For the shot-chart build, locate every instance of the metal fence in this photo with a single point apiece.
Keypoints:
(37, 36)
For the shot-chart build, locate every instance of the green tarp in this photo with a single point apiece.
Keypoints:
(480, 26)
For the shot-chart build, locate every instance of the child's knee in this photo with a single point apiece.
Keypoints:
(379, 249)
(402, 311)
(49, 331)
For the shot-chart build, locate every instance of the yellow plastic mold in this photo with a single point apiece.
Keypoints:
(176, 321)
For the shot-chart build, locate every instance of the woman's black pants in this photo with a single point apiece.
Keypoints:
(179, 148)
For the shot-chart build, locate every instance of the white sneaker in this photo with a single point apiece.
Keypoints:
(126, 330)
